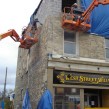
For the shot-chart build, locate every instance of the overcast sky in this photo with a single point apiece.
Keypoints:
(14, 14)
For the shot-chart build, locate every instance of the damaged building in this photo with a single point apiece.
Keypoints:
(73, 65)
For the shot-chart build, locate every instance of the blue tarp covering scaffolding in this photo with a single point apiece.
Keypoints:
(99, 19)
(45, 101)
(26, 101)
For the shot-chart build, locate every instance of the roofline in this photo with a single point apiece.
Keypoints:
(35, 12)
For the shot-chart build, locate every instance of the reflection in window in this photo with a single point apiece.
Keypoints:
(68, 99)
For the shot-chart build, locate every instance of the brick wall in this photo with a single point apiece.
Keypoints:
(21, 77)
(50, 41)
(48, 8)
(32, 76)
(91, 46)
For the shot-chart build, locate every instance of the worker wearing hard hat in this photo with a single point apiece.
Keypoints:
(74, 5)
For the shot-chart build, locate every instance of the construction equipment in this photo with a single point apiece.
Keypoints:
(25, 42)
(77, 19)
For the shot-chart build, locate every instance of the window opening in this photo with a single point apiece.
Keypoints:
(67, 3)
(92, 98)
(69, 42)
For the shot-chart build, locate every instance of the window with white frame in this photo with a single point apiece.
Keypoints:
(107, 47)
(69, 42)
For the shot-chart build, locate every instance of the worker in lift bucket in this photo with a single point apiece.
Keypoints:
(74, 5)
(74, 13)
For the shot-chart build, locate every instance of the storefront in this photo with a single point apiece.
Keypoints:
(73, 90)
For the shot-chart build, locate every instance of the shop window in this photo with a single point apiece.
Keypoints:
(60, 91)
(107, 48)
(92, 98)
(69, 42)
(68, 99)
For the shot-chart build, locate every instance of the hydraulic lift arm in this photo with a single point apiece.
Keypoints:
(94, 4)
(12, 33)
(25, 42)
(79, 20)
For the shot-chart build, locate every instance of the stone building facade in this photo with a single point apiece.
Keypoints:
(39, 67)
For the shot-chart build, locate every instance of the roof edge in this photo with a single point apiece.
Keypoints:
(35, 12)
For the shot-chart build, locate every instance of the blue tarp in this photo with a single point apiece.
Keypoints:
(45, 101)
(26, 101)
(99, 19)
(2, 105)
(32, 19)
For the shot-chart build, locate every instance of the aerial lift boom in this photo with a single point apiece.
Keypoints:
(25, 42)
(77, 19)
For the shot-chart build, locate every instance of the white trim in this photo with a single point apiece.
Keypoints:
(80, 66)
(57, 56)
(105, 47)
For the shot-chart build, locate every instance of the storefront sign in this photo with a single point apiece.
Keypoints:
(65, 77)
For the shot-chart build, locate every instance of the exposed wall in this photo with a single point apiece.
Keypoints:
(48, 8)
(55, 36)
(21, 77)
(32, 64)
(50, 41)
(91, 46)
(37, 68)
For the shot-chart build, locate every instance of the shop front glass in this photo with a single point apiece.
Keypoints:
(91, 98)
(67, 98)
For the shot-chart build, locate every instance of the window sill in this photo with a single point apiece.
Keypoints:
(70, 55)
